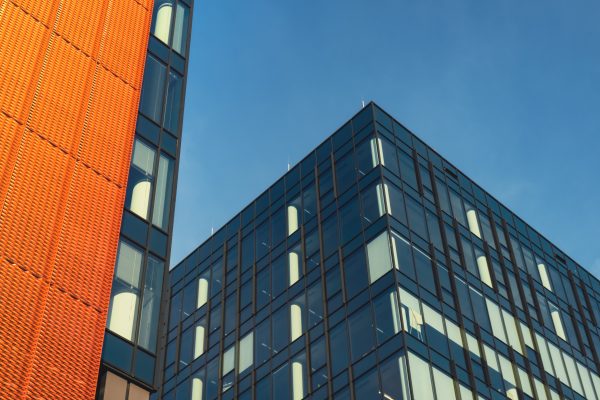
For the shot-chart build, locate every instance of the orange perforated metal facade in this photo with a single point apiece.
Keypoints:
(70, 77)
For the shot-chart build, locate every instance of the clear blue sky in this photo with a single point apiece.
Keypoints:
(508, 91)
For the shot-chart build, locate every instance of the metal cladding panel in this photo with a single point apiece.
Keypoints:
(70, 73)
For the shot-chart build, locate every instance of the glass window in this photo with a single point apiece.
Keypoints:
(424, 269)
(394, 378)
(376, 201)
(281, 329)
(496, 320)
(387, 315)
(228, 360)
(281, 382)
(315, 304)
(388, 155)
(161, 21)
(420, 378)
(338, 344)
(173, 107)
(367, 386)
(403, 255)
(444, 386)
(557, 321)
(412, 319)
(180, 30)
(544, 276)
(151, 304)
(246, 352)
(396, 203)
(355, 273)
(151, 100)
(263, 342)
(115, 387)
(141, 176)
(162, 198)
(199, 339)
(416, 217)
(122, 314)
(379, 259)
(360, 325)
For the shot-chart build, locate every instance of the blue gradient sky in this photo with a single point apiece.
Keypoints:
(508, 91)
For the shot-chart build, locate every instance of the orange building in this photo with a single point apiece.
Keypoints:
(70, 78)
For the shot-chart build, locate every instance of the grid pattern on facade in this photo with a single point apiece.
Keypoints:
(375, 269)
(70, 89)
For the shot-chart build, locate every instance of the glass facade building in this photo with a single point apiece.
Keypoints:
(374, 269)
(131, 356)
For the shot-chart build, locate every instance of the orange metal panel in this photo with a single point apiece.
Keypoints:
(91, 226)
(10, 139)
(79, 21)
(43, 11)
(33, 200)
(64, 82)
(21, 295)
(113, 109)
(68, 354)
(114, 49)
(22, 42)
(70, 73)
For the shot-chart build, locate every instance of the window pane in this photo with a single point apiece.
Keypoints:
(161, 21)
(180, 31)
(361, 332)
(355, 272)
(367, 386)
(394, 377)
(139, 186)
(125, 292)
(420, 378)
(338, 343)
(171, 120)
(162, 198)
(115, 388)
(387, 316)
(151, 101)
(151, 304)
(378, 253)
(246, 352)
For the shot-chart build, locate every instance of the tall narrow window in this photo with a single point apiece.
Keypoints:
(197, 386)
(496, 320)
(296, 318)
(246, 352)
(379, 259)
(122, 313)
(483, 267)
(151, 304)
(141, 176)
(295, 268)
(472, 220)
(199, 340)
(162, 198)
(412, 319)
(180, 30)
(173, 107)
(151, 100)
(420, 378)
(544, 277)
(292, 219)
(161, 21)
(557, 321)
(202, 296)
